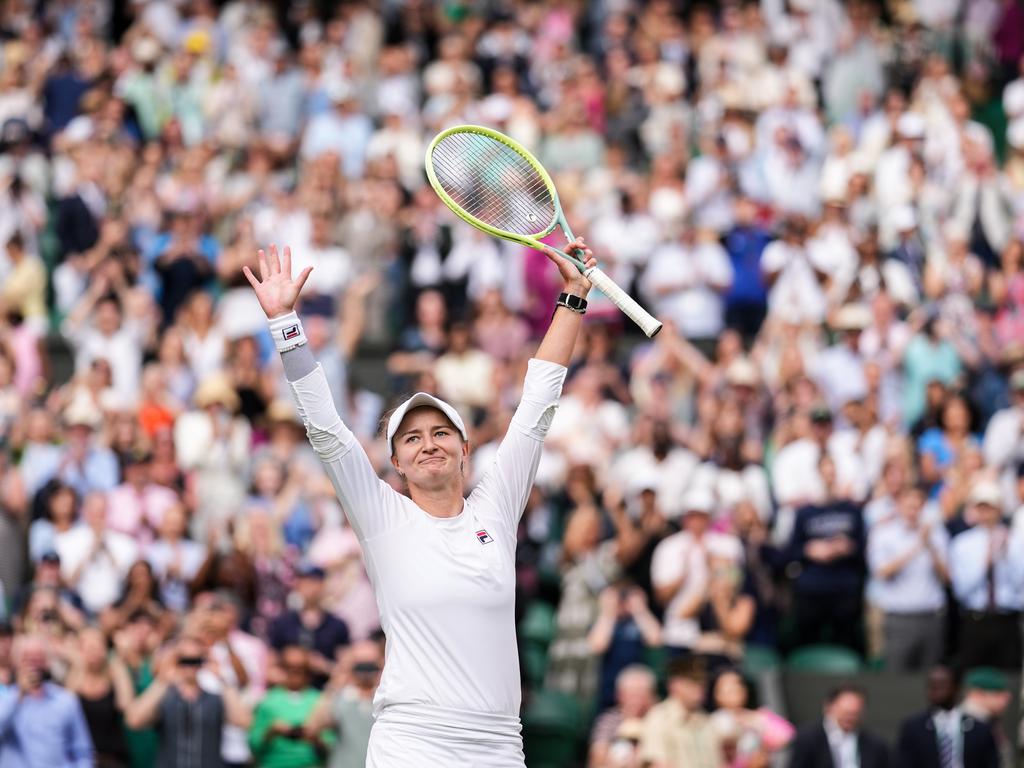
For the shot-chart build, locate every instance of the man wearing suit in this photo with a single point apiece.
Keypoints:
(945, 735)
(838, 741)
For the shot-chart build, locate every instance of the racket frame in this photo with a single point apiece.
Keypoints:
(648, 323)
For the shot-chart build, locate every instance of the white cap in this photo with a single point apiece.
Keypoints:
(1013, 99)
(699, 500)
(422, 398)
(910, 126)
(903, 218)
(852, 317)
(986, 492)
(1015, 133)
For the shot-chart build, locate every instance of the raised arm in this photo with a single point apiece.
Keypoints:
(370, 504)
(560, 339)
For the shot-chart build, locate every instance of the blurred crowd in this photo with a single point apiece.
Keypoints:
(823, 201)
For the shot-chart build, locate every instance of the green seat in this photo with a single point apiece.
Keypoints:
(553, 726)
(826, 659)
(656, 658)
(538, 624)
(534, 659)
(758, 659)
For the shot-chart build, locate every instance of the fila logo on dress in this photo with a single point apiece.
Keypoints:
(484, 536)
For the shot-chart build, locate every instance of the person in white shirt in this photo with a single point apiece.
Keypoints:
(442, 565)
(907, 557)
(987, 571)
(686, 280)
(680, 573)
(1003, 445)
(95, 560)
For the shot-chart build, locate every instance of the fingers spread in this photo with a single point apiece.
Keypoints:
(301, 281)
(275, 261)
(263, 264)
(250, 277)
(286, 266)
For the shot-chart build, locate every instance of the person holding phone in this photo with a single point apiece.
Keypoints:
(277, 737)
(346, 706)
(40, 722)
(190, 719)
(442, 565)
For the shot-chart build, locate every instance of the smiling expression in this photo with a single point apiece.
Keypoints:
(429, 451)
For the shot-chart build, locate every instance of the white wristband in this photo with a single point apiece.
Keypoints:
(287, 332)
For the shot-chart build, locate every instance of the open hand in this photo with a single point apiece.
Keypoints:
(276, 290)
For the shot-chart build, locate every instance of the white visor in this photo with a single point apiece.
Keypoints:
(422, 398)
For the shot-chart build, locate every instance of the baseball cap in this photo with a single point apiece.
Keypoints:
(50, 556)
(986, 679)
(700, 500)
(417, 400)
(986, 492)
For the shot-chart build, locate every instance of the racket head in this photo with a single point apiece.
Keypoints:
(493, 183)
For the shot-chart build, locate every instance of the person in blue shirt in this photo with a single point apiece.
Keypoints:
(986, 566)
(747, 301)
(41, 724)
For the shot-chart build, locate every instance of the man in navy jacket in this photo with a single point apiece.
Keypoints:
(944, 735)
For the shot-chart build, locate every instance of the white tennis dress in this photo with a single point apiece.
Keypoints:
(449, 694)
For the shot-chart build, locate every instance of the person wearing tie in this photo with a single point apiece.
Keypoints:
(945, 735)
(838, 740)
(987, 571)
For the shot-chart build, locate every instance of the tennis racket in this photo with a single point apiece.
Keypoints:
(495, 184)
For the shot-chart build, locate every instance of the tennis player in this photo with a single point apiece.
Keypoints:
(442, 565)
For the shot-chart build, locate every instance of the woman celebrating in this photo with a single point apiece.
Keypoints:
(442, 565)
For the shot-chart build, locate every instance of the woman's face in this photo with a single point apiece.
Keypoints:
(93, 646)
(730, 691)
(429, 451)
(956, 416)
(139, 577)
(268, 478)
(62, 505)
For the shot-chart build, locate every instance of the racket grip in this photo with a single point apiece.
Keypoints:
(649, 324)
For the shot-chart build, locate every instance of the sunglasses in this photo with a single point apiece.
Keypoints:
(190, 661)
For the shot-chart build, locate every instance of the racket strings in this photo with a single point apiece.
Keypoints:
(493, 183)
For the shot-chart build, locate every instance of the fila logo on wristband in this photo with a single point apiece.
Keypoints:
(291, 332)
(484, 536)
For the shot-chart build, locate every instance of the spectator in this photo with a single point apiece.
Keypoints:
(635, 694)
(137, 506)
(986, 697)
(679, 572)
(318, 631)
(676, 731)
(944, 734)
(908, 558)
(625, 627)
(346, 707)
(174, 559)
(827, 548)
(189, 718)
(278, 737)
(104, 691)
(94, 559)
(986, 569)
(839, 740)
(1004, 437)
(749, 737)
(41, 723)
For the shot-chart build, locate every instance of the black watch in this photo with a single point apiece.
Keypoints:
(570, 301)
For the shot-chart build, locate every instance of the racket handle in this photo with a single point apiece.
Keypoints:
(649, 324)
